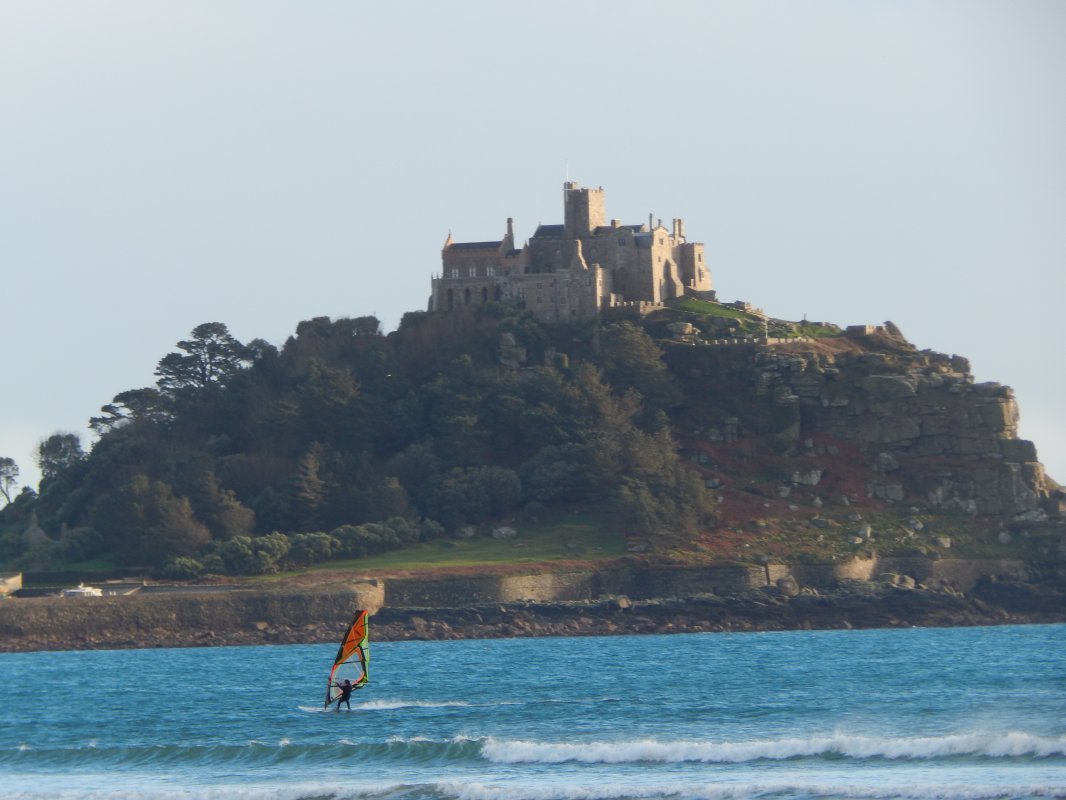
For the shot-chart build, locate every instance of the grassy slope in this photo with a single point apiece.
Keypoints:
(579, 536)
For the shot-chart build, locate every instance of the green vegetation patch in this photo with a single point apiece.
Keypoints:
(708, 308)
(815, 331)
(578, 536)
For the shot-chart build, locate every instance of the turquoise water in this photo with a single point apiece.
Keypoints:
(957, 713)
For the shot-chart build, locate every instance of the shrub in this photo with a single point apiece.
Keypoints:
(182, 568)
(311, 548)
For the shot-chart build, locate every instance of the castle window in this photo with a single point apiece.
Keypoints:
(699, 256)
(454, 272)
(490, 271)
(472, 272)
(621, 241)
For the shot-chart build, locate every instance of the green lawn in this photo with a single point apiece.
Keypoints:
(567, 537)
(816, 331)
(710, 309)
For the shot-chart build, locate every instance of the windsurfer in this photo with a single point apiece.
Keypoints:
(345, 695)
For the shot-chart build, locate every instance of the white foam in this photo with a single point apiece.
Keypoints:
(388, 705)
(818, 787)
(994, 745)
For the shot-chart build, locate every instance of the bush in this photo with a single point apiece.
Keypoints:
(430, 529)
(246, 555)
(182, 568)
(311, 548)
(356, 541)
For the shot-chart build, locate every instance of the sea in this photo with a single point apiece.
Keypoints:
(965, 713)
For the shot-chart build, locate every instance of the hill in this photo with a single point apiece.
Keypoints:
(696, 434)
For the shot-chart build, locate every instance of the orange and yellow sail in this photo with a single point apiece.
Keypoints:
(353, 657)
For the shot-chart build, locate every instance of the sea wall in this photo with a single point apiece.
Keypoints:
(167, 619)
(638, 583)
(569, 603)
(957, 573)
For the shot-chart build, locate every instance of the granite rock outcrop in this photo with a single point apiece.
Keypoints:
(914, 423)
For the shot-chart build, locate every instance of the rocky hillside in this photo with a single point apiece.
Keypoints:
(823, 447)
(698, 433)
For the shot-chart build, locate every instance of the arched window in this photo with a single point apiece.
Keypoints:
(451, 300)
(484, 294)
(466, 296)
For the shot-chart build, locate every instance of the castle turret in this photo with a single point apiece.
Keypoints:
(508, 240)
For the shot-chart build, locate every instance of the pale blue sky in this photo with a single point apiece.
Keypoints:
(258, 163)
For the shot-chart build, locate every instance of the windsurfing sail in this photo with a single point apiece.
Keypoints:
(353, 658)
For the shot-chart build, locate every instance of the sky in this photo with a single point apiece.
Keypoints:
(259, 163)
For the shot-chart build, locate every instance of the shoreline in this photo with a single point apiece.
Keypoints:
(311, 618)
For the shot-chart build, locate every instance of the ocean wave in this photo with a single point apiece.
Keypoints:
(456, 750)
(113, 787)
(417, 751)
(763, 790)
(981, 745)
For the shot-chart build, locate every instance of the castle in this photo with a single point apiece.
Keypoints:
(576, 270)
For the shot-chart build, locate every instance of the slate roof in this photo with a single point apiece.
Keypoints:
(475, 246)
(549, 231)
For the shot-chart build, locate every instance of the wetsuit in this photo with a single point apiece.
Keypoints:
(346, 694)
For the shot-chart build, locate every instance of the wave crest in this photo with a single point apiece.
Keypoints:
(982, 745)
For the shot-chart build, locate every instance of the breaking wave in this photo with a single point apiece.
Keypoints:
(979, 745)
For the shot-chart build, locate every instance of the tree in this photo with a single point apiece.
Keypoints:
(306, 489)
(211, 356)
(473, 494)
(219, 508)
(126, 407)
(144, 522)
(9, 473)
(631, 359)
(58, 453)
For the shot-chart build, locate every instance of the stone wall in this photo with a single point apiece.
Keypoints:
(958, 573)
(636, 583)
(126, 619)
(488, 606)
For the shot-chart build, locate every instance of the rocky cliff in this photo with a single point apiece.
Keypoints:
(857, 433)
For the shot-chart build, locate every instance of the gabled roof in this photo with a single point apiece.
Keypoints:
(550, 231)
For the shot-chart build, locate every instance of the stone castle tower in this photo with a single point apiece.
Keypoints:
(576, 270)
